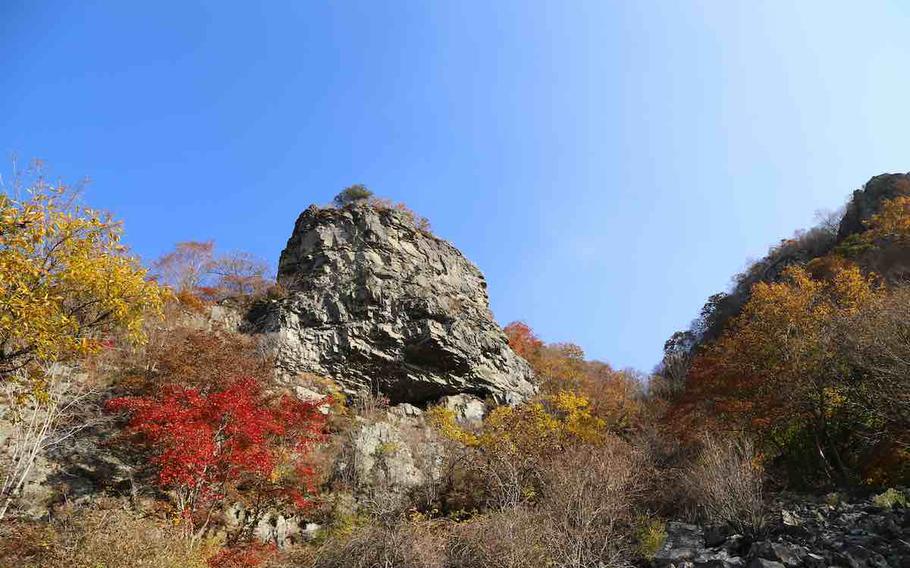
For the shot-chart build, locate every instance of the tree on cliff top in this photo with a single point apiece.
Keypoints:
(352, 194)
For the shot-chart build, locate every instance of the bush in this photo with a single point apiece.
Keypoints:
(206, 360)
(352, 194)
(516, 442)
(581, 512)
(725, 484)
(239, 442)
(650, 535)
(98, 536)
(403, 545)
(588, 506)
(890, 499)
(419, 221)
(251, 555)
(511, 538)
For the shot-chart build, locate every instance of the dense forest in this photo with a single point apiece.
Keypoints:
(142, 425)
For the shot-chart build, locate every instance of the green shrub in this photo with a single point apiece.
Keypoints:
(834, 499)
(352, 194)
(890, 499)
(650, 535)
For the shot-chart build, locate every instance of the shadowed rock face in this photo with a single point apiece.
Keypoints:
(868, 201)
(377, 303)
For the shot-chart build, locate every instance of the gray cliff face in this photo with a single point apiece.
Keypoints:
(375, 303)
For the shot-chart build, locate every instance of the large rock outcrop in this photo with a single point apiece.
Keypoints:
(376, 303)
(866, 202)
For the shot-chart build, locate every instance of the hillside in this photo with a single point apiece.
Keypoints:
(840, 229)
(364, 409)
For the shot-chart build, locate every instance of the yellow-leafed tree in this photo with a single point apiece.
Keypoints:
(66, 281)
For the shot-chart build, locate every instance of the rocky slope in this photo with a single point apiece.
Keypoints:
(893, 263)
(376, 303)
(804, 531)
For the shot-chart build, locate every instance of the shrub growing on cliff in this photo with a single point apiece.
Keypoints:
(209, 444)
(352, 194)
(205, 360)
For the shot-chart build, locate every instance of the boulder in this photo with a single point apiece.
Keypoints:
(390, 455)
(683, 544)
(467, 409)
(787, 554)
(763, 563)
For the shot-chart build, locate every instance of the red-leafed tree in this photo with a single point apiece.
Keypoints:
(523, 341)
(237, 443)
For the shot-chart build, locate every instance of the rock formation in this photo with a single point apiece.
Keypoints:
(867, 201)
(376, 303)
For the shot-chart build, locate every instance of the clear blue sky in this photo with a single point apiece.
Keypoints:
(608, 165)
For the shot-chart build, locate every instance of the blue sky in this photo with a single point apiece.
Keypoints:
(608, 165)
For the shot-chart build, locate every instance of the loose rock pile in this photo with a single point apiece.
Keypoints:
(810, 532)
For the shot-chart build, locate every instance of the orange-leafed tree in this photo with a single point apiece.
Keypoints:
(613, 396)
(777, 374)
(523, 341)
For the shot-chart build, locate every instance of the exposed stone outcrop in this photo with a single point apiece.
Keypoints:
(867, 201)
(376, 303)
(390, 455)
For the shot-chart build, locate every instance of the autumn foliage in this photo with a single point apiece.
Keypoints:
(205, 360)
(205, 445)
(892, 223)
(67, 281)
(250, 555)
(613, 396)
(776, 372)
